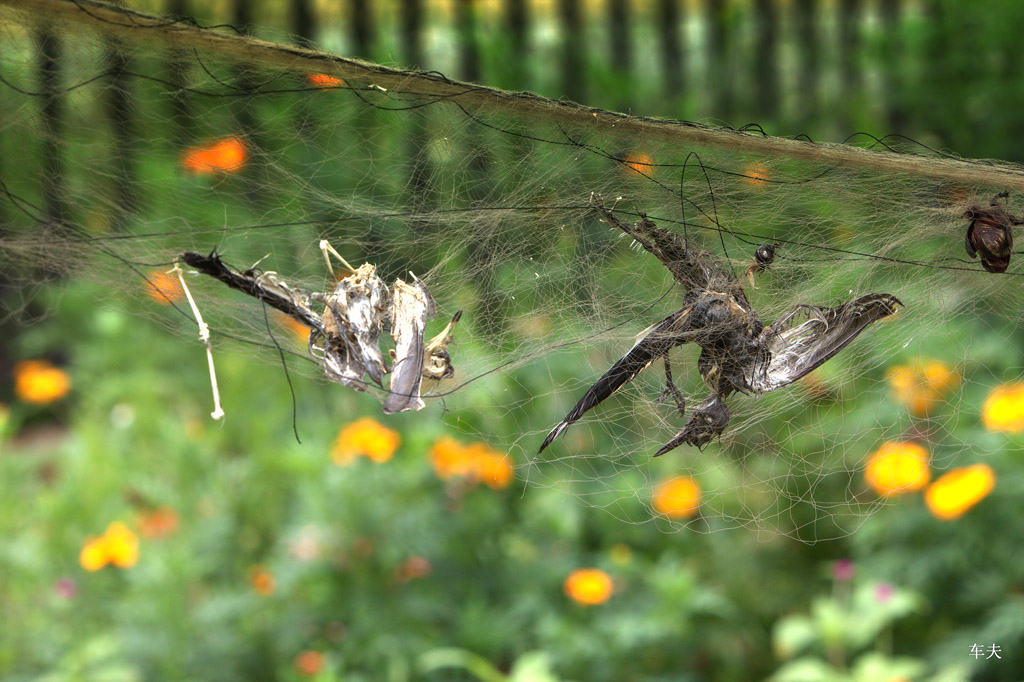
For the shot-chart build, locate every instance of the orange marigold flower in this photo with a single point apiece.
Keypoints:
(475, 462)
(757, 175)
(958, 490)
(412, 568)
(364, 437)
(898, 467)
(922, 384)
(940, 376)
(309, 663)
(158, 523)
(294, 327)
(1004, 408)
(164, 288)
(588, 586)
(491, 467)
(640, 163)
(39, 382)
(677, 498)
(322, 80)
(119, 545)
(262, 580)
(449, 459)
(226, 155)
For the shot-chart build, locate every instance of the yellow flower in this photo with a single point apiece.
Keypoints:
(122, 545)
(164, 288)
(39, 382)
(364, 437)
(93, 556)
(922, 384)
(958, 490)
(677, 498)
(1004, 408)
(119, 545)
(897, 467)
(588, 586)
(262, 580)
(475, 462)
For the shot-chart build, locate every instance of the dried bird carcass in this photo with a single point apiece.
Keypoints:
(345, 339)
(413, 358)
(738, 352)
(352, 321)
(411, 307)
(990, 235)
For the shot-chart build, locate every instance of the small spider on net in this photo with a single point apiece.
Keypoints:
(739, 353)
(344, 339)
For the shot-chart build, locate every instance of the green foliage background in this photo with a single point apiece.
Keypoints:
(724, 606)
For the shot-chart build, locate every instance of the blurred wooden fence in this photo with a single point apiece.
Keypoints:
(823, 68)
(941, 71)
(818, 65)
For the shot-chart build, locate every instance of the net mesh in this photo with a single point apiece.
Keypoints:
(127, 140)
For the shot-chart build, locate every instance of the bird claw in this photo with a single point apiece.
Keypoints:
(672, 391)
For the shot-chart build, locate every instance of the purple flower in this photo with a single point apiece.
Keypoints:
(842, 570)
(883, 592)
(66, 588)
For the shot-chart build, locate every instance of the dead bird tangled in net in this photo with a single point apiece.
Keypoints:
(344, 339)
(990, 234)
(739, 353)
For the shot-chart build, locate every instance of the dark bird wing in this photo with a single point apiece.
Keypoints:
(806, 337)
(662, 337)
(969, 239)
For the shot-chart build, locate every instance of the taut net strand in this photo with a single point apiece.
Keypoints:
(127, 140)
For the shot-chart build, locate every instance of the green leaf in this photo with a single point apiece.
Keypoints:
(806, 670)
(792, 635)
(477, 666)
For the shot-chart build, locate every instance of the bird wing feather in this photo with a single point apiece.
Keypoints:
(796, 346)
(670, 332)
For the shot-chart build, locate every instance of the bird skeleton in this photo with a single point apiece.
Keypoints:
(738, 352)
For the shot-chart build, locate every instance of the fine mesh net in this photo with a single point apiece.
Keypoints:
(127, 140)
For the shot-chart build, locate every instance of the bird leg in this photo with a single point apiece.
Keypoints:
(328, 251)
(671, 390)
